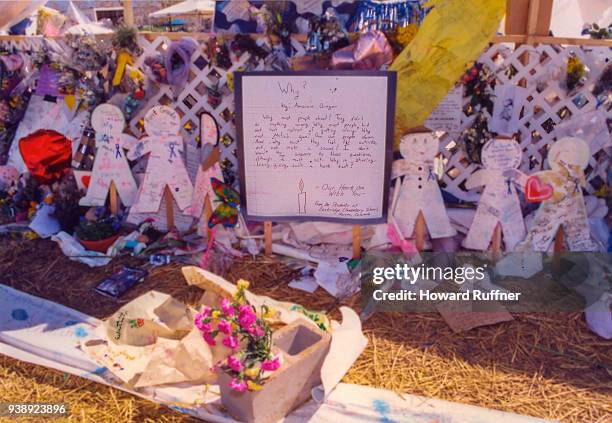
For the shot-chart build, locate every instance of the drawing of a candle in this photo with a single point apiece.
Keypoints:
(301, 198)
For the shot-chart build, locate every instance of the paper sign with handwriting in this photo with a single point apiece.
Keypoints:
(315, 146)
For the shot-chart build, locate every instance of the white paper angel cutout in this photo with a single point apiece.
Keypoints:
(499, 201)
(419, 191)
(165, 166)
(209, 136)
(110, 163)
(560, 190)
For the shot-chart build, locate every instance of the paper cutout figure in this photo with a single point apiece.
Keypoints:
(110, 163)
(165, 166)
(420, 191)
(210, 168)
(499, 201)
(567, 158)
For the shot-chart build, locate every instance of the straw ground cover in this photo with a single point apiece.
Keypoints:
(545, 365)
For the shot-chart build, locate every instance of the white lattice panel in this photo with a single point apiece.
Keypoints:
(541, 70)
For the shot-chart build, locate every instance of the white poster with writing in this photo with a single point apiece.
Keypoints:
(315, 146)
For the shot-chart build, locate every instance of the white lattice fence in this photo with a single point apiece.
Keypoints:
(538, 68)
(541, 70)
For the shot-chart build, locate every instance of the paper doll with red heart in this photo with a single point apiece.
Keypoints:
(560, 192)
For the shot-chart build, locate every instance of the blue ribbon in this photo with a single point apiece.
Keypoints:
(117, 151)
(576, 185)
(172, 152)
(431, 175)
(509, 183)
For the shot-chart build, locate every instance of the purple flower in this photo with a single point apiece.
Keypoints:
(271, 365)
(238, 385)
(227, 308)
(234, 364)
(210, 340)
(225, 327)
(230, 342)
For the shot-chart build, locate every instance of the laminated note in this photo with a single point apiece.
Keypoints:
(509, 100)
(110, 164)
(165, 166)
(447, 115)
(560, 191)
(499, 201)
(419, 191)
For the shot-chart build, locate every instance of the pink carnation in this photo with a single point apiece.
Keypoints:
(210, 340)
(225, 327)
(259, 332)
(246, 316)
(238, 385)
(226, 307)
(271, 365)
(230, 342)
(234, 364)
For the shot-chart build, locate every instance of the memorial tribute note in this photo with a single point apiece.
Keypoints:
(315, 146)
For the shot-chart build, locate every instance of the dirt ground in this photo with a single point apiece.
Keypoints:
(544, 365)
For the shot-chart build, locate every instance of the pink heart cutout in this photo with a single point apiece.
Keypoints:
(536, 191)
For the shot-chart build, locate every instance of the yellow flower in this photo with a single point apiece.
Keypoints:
(230, 81)
(254, 386)
(242, 284)
(252, 372)
(216, 314)
(269, 313)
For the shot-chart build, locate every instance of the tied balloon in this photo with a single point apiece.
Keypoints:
(387, 16)
(371, 51)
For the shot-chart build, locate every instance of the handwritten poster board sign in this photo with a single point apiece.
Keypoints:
(315, 145)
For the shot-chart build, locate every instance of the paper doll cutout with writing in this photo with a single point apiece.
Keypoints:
(560, 191)
(110, 163)
(420, 191)
(165, 166)
(210, 168)
(499, 201)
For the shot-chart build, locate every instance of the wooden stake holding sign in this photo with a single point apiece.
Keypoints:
(169, 208)
(113, 199)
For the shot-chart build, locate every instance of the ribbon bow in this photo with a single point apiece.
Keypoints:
(172, 152)
(576, 185)
(509, 184)
(117, 151)
(431, 175)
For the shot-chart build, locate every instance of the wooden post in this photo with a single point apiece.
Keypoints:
(559, 240)
(268, 237)
(128, 13)
(114, 200)
(356, 241)
(169, 208)
(496, 241)
(419, 232)
(528, 17)
(208, 210)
